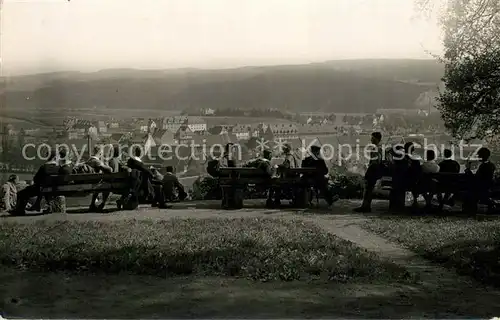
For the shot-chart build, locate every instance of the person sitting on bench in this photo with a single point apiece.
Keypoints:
(227, 160)
(172, 186)
(65, 168)
(98, 166)
(289, 162)
(448, 165)
(9, 194)
(321, 182)
(135, 163)
(482, 181)
(263, 162)
(414, 172)
(49, 168)
(428, 186)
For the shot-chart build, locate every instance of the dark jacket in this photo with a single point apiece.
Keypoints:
(171, 184)
(318, 163)
(483, 179)
(449, 165)
(46, 170)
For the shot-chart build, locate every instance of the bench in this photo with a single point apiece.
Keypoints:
(79, 185)
(458, 184)
(234, 181)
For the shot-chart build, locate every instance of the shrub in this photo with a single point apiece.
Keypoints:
(346, 184)
(259, 249)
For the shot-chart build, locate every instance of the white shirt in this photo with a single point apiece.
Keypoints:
(430, 167)
(136, 158)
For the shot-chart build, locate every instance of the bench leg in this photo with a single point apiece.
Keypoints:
(302, 198)
(238, 198)
(227, 197)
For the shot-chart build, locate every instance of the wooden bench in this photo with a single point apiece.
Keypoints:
(458, 184)
(234, 182)
(79, 185)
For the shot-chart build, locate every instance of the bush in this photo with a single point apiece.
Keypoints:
(259, 249)
(346, 184)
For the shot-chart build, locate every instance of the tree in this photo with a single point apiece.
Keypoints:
(470, 102)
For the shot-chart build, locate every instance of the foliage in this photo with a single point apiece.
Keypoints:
(471, 99)
(469, 246)
(259, 249)
(346, 184)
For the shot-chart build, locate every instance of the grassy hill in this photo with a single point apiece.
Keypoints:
(334, 86)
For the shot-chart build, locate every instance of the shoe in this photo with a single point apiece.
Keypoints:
(17, 213)
(334, 199)
(362, 210)
(31, 209)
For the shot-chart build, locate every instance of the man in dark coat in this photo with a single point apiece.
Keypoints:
(373, 173)
(481, 181)
(399, 170)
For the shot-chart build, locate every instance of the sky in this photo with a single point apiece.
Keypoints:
(88, 35)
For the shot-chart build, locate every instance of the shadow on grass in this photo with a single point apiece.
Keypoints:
(125, 296)
(479, 259)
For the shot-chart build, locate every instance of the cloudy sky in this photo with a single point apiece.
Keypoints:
(87, 35)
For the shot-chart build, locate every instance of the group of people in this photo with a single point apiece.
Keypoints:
(406, 171)
(146, 184)
(289, 160)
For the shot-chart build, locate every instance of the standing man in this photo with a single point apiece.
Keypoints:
(373, 173)
(482, 180)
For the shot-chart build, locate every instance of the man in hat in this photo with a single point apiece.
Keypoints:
(9, 194)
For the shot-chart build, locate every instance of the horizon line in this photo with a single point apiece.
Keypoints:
(22, 74)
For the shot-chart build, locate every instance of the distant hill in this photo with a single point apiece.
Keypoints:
(333, 86)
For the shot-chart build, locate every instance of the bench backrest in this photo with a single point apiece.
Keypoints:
(449, 178)
(256, 172)
(241, 172)
(85, 178)
(85, 183)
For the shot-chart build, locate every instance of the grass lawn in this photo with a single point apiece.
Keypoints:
(469, 245)
(203, 268)
(254, 248)
(192, 268)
